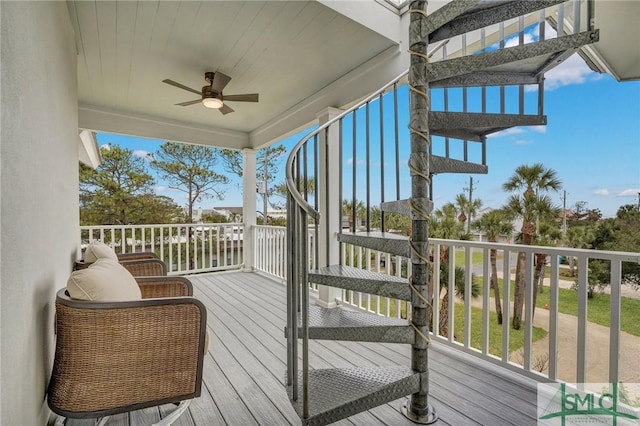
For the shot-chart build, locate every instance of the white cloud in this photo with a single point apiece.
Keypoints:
(160, 188)
(539, 129)
(507, 132)
(601, 191)
(141, 153)
(514, 41)
(572, 71)
(358, 162)
(105, 146)
(631, 192)
(523, 142)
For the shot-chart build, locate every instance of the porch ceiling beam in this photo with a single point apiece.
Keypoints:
(373, 15)
(473, 63)
(110, 121)
(488, 78)
(486, 16)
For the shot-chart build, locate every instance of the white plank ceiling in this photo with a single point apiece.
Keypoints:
(286, 51)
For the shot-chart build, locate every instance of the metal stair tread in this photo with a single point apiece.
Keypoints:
(342, 271)
(338, 317)
(401, 206)
(486, 13)
(475, 125)
(386, 242)
(439, 164)
(335, 394)
(361, 281)
(530, 58)
(348, 325)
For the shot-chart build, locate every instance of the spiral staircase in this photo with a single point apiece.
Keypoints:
(485, 61)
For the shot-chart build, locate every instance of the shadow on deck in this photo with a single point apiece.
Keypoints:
(244, 370)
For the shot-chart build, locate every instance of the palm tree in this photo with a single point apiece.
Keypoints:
(468, 209)
(577, 237)
(375, 216)
(459, 285)
(548, 235)
(445, 225)
(530, 203)
(347, 210)
(494, 224)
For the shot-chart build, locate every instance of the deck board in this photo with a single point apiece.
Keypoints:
(244, 369)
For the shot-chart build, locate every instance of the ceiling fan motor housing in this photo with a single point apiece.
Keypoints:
(208, 93)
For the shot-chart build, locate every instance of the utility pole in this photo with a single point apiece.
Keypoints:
(564, 214)
(469, 206)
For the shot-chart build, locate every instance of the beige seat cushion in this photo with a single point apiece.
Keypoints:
(99, 250)
(104, 280)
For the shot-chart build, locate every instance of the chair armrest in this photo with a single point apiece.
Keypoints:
(137, 256)
(145, 267)
(113, 357)
(153, 287)
(152, 267)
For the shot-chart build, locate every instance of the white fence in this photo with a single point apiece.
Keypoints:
(185, 248)
(568, 351)
(270, 251)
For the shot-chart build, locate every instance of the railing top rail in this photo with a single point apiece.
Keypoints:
(561, 251)
(291, 186)
(269, 227)
(159, 225)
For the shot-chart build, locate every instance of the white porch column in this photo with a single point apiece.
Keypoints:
(248, 205)
(330, 211)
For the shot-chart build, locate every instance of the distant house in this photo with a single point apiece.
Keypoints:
(234, 214)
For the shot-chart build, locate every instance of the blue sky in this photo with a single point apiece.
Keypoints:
(592, 141)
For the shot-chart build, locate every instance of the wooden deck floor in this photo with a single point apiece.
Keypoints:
(244, 370)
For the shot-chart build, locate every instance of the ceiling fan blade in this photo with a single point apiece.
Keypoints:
(182, 86)
(220, 80)
(247, 97)
(225, 109)
(197, 101)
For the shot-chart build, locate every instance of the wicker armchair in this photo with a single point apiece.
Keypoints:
(141, 264)
(115, 357)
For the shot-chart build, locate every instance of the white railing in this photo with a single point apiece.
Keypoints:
(378, 262)
(185, 248)
(472, 322)
(270, 251)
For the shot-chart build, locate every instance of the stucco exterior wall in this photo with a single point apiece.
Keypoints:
(39, 196)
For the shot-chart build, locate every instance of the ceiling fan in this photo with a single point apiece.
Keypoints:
(211, 95)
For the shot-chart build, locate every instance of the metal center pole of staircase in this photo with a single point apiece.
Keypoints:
(418, 408)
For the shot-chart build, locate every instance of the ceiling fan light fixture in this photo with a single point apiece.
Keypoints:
(213, 103)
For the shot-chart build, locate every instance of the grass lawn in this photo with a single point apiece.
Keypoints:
(597, 307)
(516, 337)
(476, 257)
(598, 310)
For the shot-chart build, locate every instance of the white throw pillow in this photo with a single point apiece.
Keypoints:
(99, 250)
(104, 280)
